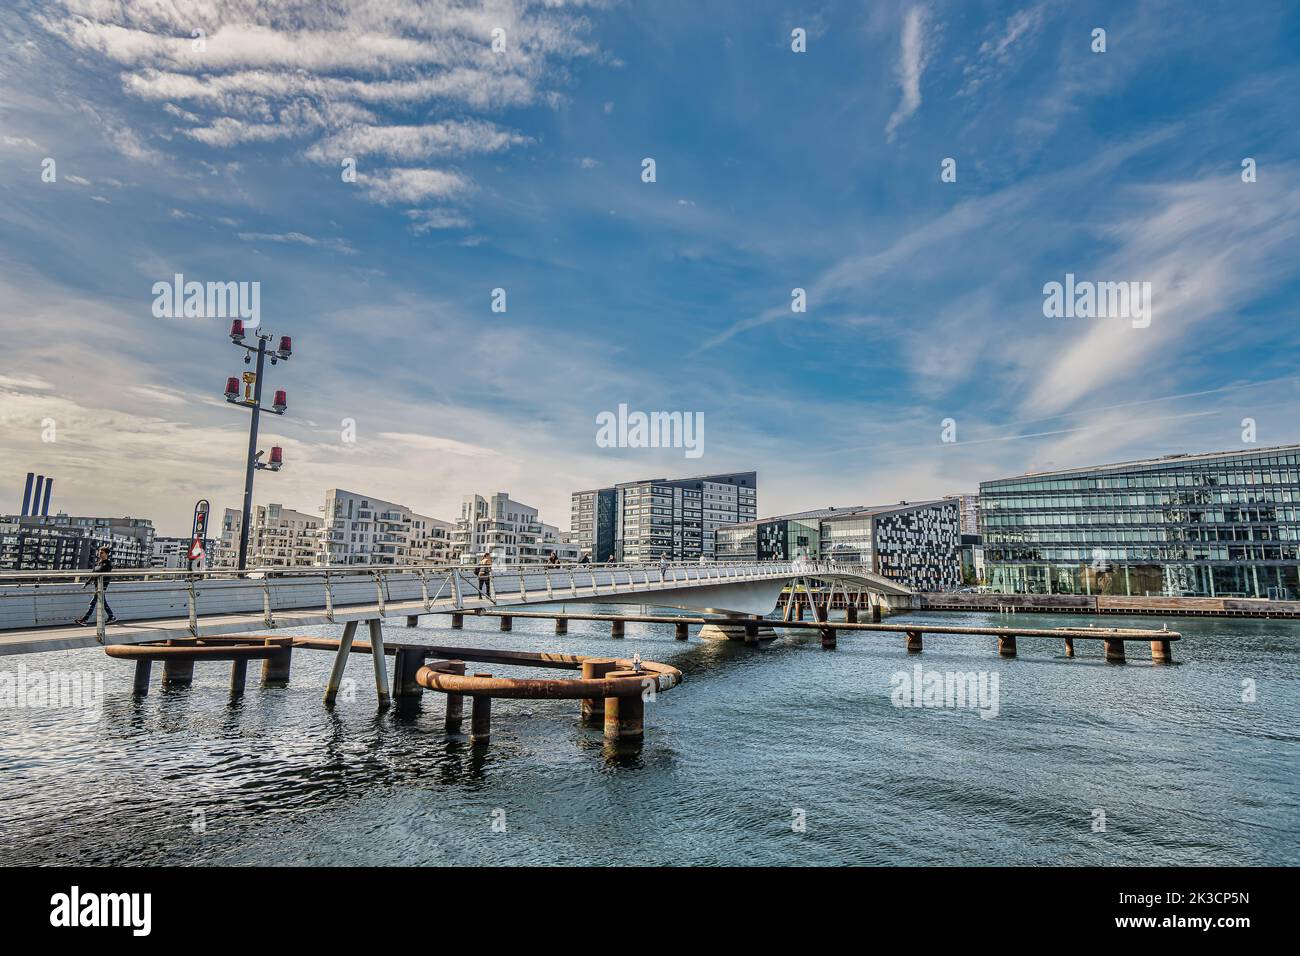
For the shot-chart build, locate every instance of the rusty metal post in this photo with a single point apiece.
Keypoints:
(143, 669)
(275, 669)
(593, 708)
(455, 702)
(238, 676)
(828, 638)
(1114, 650)
(851, 613)
(507, 623)
(1161, 653)
(457, 621)
(914, 642)
(561, 625)
(1069, 647)
(1007, 645)
(751, 632)
(412, 620)
(340, 662)
(406, 690)
(178, 672)
(480, 721)
(624, 716)
(681, 631)
(616, 628)
(377, 658)
(875, 612)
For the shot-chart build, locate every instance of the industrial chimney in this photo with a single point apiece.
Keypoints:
(36, 495)
(27, 493)
(45, 505)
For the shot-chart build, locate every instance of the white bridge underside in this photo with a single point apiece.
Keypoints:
(156, 606)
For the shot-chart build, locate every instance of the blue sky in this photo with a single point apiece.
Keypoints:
(522, 169)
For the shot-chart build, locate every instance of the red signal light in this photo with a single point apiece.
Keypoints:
(237, 330)
(232, 388)
(277, 455)
(281, 401)
(286, 346)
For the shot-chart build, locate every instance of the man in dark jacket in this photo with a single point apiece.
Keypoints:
(102, 566)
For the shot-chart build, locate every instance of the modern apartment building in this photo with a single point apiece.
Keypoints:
(675, 518)
(36, 542)
(592, 522)
(1223, 524)
(359, 529)
(278, 538)
(917, 542)
(781, 538)
(173, 553)
(970, 512)
(507, 529)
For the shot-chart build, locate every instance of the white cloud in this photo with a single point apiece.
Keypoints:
(298, 238)
(405, 185)
(1021, 28)
(911, 64)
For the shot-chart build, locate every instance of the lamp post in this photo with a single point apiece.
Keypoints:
(252, 400)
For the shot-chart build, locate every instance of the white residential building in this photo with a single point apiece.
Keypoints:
(358, 529)
(509, 529)
(279, 538)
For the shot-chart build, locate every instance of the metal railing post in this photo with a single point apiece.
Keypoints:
(455, 588)
(379, 590)
(266, 599)
(99, 609)
(194, 609)
(424, 588)
(329, 597)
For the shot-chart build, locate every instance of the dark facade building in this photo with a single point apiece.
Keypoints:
(674, 518)
(593, 521)
(1223, 524)
(916, 543)
(65, 543)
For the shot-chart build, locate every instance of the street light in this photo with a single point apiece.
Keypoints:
(253, 402)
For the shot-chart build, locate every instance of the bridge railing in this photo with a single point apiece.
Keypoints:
(30, 600)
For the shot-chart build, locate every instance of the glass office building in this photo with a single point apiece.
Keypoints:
(1225, 524)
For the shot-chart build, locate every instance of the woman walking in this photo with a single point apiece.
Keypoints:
(484, 574)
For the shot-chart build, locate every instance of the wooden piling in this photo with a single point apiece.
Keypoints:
(593, 708)
(340, 662)
(178, 672)
(238, 676)
(275, 669)
(1007, 645)
(406, 691)
(914, 642)
(624, 716)
(143, 670)
(455, 702)
(1114, 650)
(480, 721)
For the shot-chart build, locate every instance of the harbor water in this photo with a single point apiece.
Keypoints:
(784, 754)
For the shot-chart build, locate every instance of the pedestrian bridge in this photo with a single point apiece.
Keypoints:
(37, 609)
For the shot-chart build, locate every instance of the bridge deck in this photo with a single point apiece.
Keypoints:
(158, 606)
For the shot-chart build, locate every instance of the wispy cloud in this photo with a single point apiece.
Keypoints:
(911, 64)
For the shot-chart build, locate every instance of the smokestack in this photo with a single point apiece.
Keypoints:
(36, 495)
(45, 505)
(27, 492)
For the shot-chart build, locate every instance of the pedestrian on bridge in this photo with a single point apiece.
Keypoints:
(103, 566)
(484, 574)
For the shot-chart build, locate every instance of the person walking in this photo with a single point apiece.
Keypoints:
(484, 574)
(554, 558)
(103, 565)
(586, 559)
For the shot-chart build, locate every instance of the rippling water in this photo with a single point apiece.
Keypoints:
(1185, 771)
